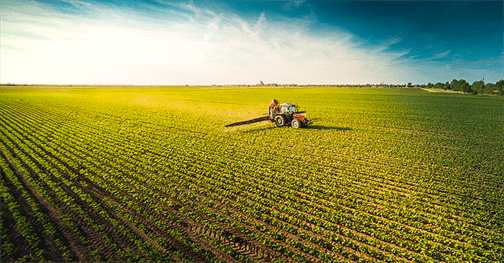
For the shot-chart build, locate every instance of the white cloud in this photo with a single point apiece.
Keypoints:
(77, 3)
(441, 55)
(291, 5)
(122, 47)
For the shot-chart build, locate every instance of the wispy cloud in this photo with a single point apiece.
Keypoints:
(77, 3)
(479, 64)
(311, 17)
(291, 5)
(188, 44)
(441, 55)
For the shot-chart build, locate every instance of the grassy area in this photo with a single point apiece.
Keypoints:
(442, 90)
(380, 175)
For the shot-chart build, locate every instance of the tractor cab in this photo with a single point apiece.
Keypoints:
(288, 108)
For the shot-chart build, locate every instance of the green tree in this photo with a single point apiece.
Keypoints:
(478, 86)
(439, 85)
(430, 85)
(489, 88)
(500, 86)
(410, 85)
(465, 86)
(455, 85)
(447, 86)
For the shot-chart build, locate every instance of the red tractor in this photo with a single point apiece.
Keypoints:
(282, 114)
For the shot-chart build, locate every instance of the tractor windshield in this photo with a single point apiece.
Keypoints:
(292, 109)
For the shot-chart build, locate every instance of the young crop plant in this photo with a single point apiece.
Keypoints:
(150, 174)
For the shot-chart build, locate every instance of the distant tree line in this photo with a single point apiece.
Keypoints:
(478, 87)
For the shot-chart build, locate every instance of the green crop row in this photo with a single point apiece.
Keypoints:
(381, 176)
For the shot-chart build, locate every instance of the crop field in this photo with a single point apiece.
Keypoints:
(151, 174)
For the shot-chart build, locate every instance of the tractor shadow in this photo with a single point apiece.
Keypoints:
(319, 127)
(311, 127)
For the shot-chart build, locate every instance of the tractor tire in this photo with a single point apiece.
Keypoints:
(280, 120)
(296, 124)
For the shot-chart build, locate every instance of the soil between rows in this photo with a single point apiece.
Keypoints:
(69, 239)
(98, 193)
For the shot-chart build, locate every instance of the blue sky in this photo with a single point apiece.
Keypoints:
(242, 42)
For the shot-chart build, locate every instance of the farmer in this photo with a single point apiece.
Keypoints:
(273, 106)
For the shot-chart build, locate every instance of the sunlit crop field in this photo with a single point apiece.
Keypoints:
(393, 175)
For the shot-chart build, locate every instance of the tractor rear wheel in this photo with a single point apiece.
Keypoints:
(295, 124)
(279, 120)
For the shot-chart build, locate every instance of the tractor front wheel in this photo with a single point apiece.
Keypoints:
(280, 120)
(295, 123)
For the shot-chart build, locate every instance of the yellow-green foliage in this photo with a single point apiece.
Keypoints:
(381, 174)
